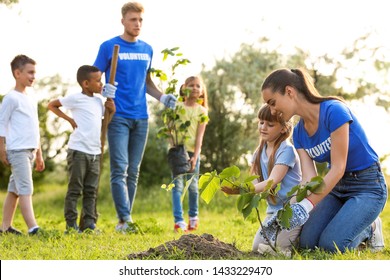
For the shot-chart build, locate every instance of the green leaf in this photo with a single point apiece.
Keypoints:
(165, 56)
(255, 201)
(251, 178)
(246, 211)
(269, 185)
(301, 195)
(277, 188)
(210, 189)
(226, 183)
(293, 190)
(316, 184)
(284, 216)
(232, 171)
(244, 200)
(188, 183)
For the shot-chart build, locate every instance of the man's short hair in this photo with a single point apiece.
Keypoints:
(132, 6)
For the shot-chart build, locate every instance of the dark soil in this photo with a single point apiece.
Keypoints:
(191, 247)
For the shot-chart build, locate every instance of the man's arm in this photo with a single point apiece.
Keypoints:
(152, 89)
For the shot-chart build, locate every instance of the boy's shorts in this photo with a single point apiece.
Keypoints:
(21, 161)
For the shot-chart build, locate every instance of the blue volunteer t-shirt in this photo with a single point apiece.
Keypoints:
(333, 114)
(134, 62)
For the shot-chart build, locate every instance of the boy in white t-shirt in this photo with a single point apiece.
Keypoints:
(20, 145)
(84, 146)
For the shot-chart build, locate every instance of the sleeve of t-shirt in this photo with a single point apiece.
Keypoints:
(67, 101)
(6, 110)
(296, 142)
(286, 156)
(337, 114)
(102, 60)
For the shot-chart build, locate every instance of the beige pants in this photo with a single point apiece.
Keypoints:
(284, 242)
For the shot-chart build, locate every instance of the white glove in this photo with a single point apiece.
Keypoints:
(301, 212)
(300, 215)
(168, 100)
(270, 228)
(109, 91)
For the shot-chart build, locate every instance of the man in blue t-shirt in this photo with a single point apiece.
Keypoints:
(128, 129)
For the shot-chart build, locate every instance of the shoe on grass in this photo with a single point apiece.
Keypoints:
(128, 227)
(193, 223)
(35, 231)
(376, 243)
(180, 227)
(12, 230)
(90, 229)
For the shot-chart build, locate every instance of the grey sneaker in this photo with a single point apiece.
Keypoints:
(376, 243)
(128, 227)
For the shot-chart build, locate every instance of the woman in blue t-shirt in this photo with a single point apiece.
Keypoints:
(346, 212)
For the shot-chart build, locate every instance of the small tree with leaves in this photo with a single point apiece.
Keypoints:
(175, 126)
(212, 182)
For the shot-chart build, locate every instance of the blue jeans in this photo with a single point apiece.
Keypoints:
(343, 218)
(193, 194)
(127, 139)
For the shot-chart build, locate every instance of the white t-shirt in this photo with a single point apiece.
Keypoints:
(87, 112)
(19, 121)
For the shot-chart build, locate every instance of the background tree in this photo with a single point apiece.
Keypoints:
(9, 2)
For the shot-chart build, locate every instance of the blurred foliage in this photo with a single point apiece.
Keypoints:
(9, 2)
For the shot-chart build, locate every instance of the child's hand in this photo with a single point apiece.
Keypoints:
(39, 162)
(3, 157)
(229, 190)
(110, 106)
(73, 123)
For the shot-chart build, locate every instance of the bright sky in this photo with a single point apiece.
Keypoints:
(61, 36)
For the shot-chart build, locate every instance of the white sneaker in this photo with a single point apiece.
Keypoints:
(127, 227)
(120, 227)
(180, 227)
(376, 243)
(193, 223)
(265, 249)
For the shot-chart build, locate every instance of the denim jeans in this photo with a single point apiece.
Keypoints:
(126, 139)
(193, 194)
(343, 218)
(83, 172)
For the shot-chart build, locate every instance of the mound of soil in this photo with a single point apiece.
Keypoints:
(191, 246)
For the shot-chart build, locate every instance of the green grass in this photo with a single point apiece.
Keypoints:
(152, 211)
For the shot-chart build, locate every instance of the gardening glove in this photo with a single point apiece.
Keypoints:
(169, 100)
(300, 215)
(109, 91)
(301, 212)
(270, 228)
